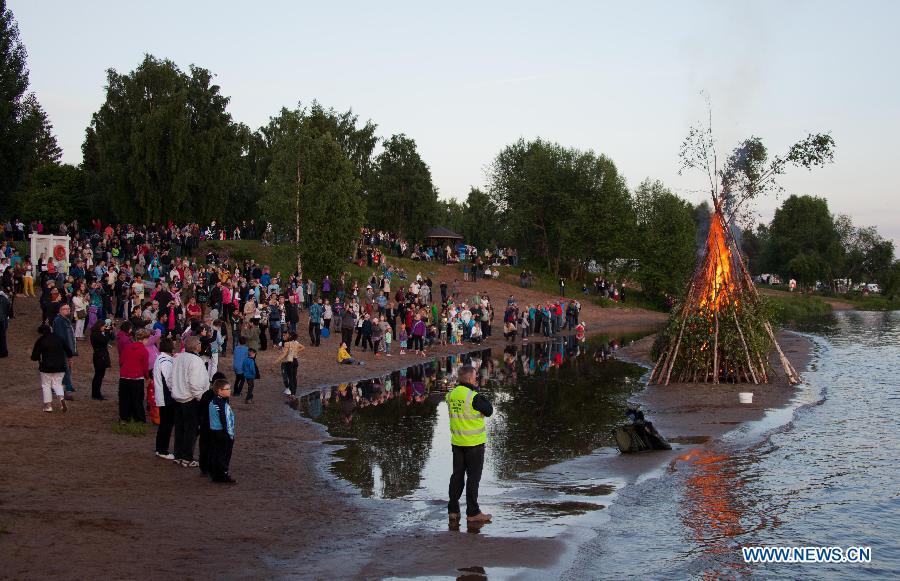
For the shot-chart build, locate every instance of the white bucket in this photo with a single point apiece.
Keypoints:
(746, 396)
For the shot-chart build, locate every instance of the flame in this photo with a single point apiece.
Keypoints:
(718, 281)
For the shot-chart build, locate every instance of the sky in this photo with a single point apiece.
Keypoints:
(464, 79)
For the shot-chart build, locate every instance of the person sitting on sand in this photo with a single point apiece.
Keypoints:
(344, 357)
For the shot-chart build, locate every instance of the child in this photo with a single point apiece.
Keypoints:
(388, 337)
(237, 365)
(251, 373)
(344, 358)
(403, 338)
(221, 432)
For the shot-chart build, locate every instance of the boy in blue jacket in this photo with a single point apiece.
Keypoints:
(237, 365)
(251, 373)
(221, 433)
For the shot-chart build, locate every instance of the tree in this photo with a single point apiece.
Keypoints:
(868, 256)
(561, 205)
(748, 172)
(666, 239)
(311, 192)
(401, 196)
(162, 146)
(55, 194)
(481, 225)
(804, 241)
(26, 137)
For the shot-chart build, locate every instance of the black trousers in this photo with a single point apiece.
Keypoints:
(131, 400)
(187, 421)
(315, 333)
(166, 424)
(289, 375)
(347, 336)
(4, 352)
(238, 383)
(97, 382)
(468, 462)
(219, 454)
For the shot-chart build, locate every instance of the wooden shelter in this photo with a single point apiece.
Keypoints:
(439, 236)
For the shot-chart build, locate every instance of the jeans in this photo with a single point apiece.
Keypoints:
(468, 462)
(315, 333)
(67, 378)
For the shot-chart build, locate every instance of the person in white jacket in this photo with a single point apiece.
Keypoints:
(162, 392)
(189, 382)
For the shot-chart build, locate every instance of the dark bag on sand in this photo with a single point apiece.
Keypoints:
(639, 437)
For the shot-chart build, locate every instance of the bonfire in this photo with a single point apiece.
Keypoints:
(720, 330)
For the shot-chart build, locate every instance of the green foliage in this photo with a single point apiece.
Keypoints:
(796, 307)
(26, 138)
(162, 146)
(562, 206)
(477, 219)
(697, 339)
(312, 188)
(136, 429)
(55, 195)
(665, 238)
(803, 241)
(401, 197)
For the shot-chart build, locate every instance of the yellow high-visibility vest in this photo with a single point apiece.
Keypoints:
(466, 423)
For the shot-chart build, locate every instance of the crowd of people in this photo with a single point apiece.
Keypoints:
(171, 314)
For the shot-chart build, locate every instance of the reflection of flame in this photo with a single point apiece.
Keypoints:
(718, 280)
(712, 504)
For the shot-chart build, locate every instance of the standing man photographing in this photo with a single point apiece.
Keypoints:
(467, 410)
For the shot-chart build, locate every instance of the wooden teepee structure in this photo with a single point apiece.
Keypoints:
(721, 331)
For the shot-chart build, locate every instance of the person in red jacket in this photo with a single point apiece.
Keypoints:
(133, 369)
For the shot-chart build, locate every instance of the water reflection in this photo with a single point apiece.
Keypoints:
(553, 401)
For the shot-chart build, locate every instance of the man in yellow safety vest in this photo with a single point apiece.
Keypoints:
(467, 410)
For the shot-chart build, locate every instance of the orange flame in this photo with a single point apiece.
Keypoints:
(718, 281)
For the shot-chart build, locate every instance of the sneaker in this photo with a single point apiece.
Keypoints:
(225, 480)
(69, 396)
(48, 408)
(165, 456)
(286, 391)
(63, 405)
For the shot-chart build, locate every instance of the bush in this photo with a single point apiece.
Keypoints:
(788, 309)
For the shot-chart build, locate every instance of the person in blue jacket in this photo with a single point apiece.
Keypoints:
(237, 365)
(251, 373)
(221, 433)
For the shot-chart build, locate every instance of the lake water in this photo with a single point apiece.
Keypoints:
(553, 402)
(829, 476)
